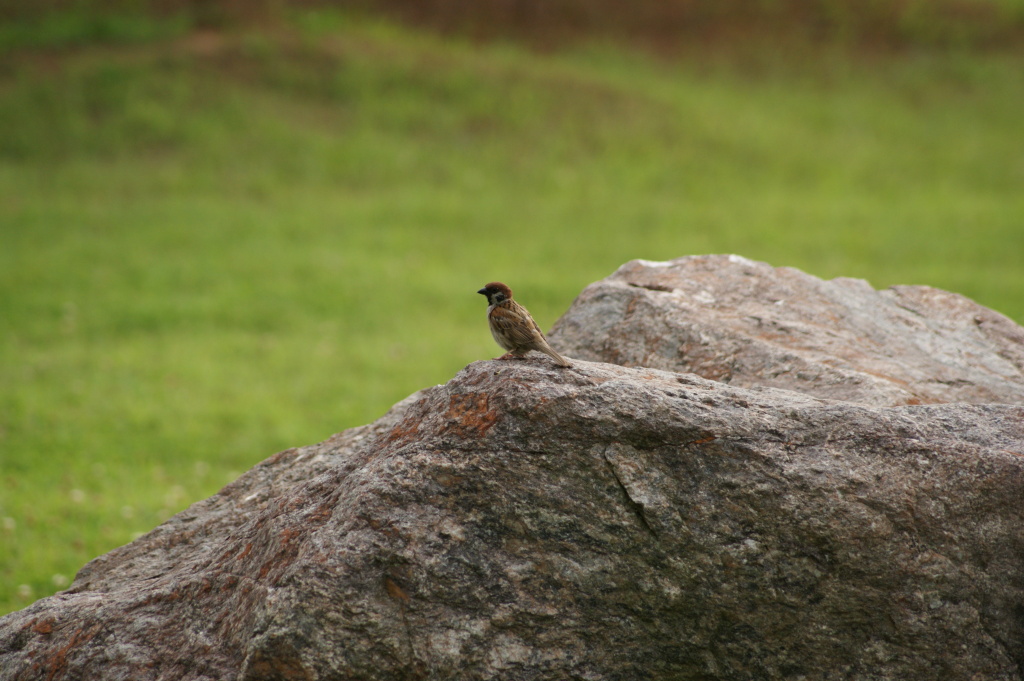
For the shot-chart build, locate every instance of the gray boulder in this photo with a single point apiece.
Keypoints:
(749, 324)
(600, 522)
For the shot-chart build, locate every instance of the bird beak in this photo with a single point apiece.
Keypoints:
(482, 292)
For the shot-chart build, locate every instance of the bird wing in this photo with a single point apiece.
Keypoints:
(510, 320)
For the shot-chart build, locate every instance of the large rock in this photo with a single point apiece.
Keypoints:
(607, 522)
(598, 522)
(749, 324)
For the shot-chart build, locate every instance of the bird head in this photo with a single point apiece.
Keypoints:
(496, 292)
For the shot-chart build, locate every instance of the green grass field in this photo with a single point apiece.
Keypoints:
(217, 245)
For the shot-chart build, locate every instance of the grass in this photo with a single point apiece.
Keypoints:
(29, 25)
(220, 245)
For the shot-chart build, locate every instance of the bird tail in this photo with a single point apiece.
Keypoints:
(562, 361)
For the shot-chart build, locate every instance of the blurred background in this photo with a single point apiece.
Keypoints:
(231, 227)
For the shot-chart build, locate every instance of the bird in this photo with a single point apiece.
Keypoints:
(512, 326)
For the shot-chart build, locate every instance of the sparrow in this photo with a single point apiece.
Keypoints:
(512, 326)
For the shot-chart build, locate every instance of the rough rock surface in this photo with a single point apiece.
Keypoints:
(598, 522)
(749, 324)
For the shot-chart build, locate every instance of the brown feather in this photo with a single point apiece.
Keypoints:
(515, 324)
(512, 326)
